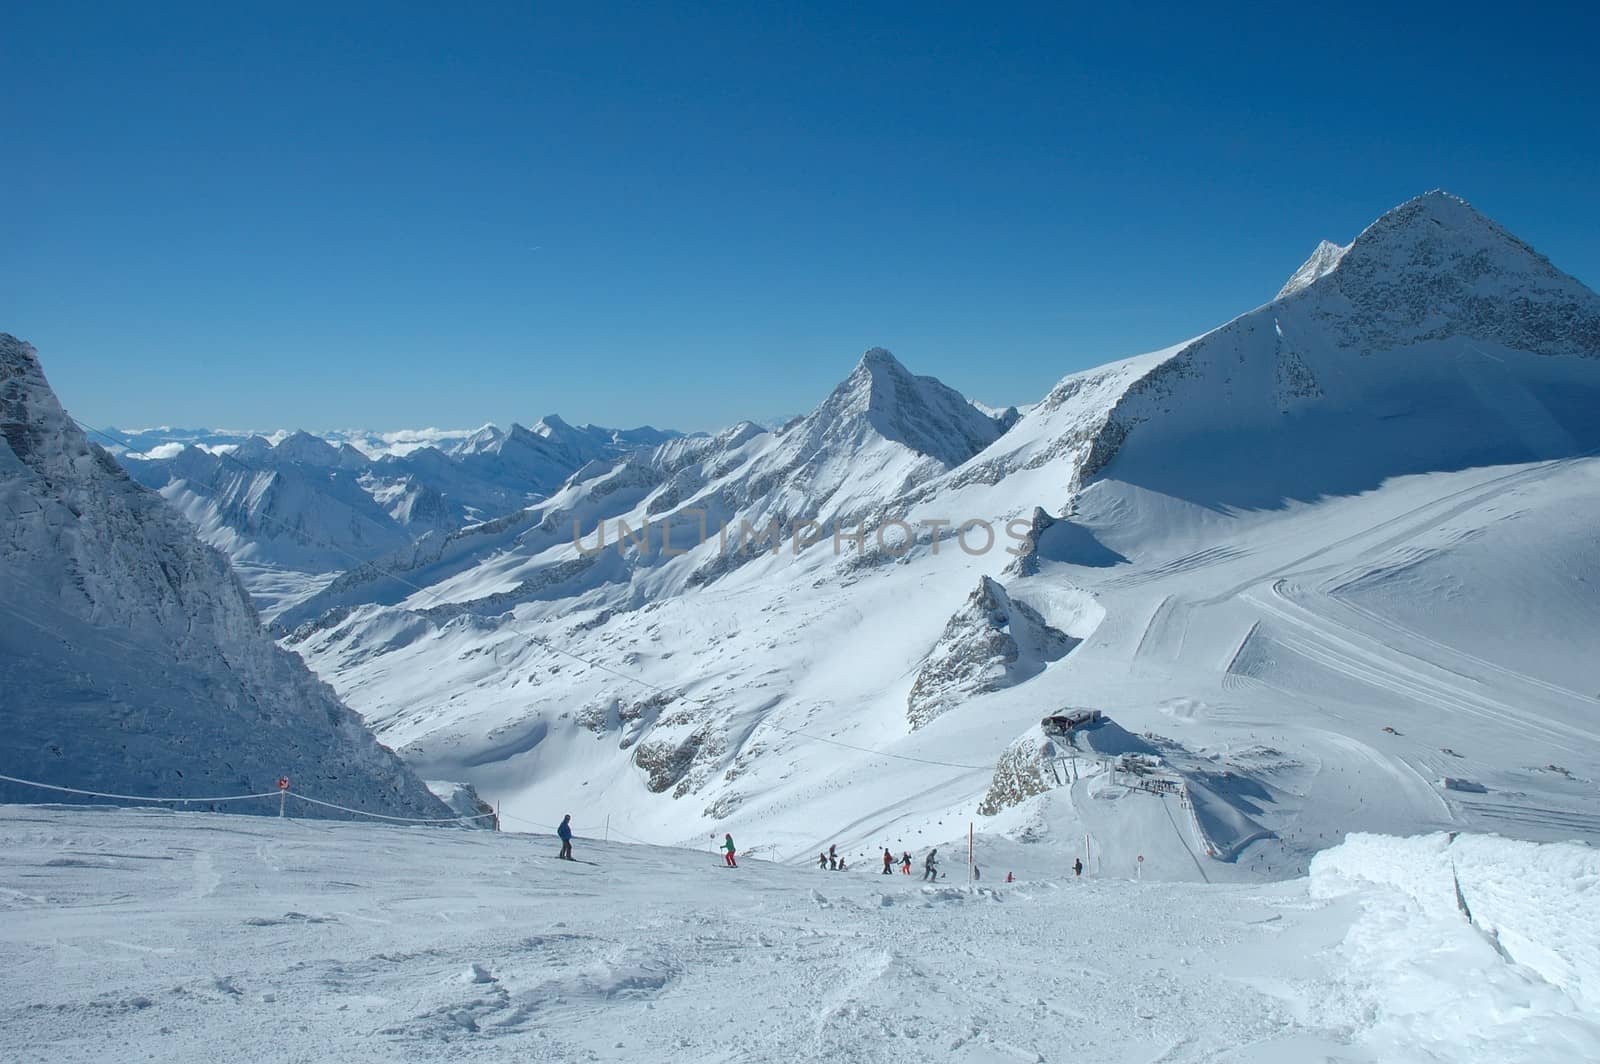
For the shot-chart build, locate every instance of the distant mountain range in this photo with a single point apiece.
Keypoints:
(1325, 567)
(290, 507)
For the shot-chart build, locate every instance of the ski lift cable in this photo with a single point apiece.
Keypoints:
(438, 599)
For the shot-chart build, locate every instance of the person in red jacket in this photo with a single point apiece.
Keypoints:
(728, 851)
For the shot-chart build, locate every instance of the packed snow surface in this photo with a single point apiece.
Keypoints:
(138, 934)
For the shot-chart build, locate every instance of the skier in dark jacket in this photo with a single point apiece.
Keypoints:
(905, 864)
(822, 861)
(930, 867)
(833, 859)
(564, 833)
(1077, 866)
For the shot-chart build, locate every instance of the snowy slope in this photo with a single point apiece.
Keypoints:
(131, 660)
(1437, 341)
(1262, 548)
(135, 933)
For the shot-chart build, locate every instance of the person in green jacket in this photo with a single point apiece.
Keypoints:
(728, 851)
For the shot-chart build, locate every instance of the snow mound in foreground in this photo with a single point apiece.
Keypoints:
(1537, 904)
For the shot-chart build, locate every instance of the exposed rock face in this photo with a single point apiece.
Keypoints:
(680, 751)
(464, 801)
(139, 665)
(992, 642)
(1026, 563)
(1433, 268)
(1019, 775)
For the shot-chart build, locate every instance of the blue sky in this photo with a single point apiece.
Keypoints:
(400, 215)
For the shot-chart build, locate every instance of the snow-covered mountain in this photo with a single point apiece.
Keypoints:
(1322, 568)
(166, 440)
(299, 504)
(293, 510)
(131, 660)
(1256, 549)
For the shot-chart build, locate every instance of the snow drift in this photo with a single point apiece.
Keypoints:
(1539, 903)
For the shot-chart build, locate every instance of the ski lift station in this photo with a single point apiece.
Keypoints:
(1070, 718)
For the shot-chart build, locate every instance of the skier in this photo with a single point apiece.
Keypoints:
(833, 860)
(930, 867)
(905, 864)
(888, 862)
(822, 861)
(1008, 877)
(1077, 866)
(564, 833)
(727, 851)
(976, 874)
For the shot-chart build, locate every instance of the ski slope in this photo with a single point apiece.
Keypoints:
(136, 933)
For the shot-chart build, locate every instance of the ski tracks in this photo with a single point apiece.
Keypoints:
(1360, 656)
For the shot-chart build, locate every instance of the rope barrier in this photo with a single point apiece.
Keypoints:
(136, 797)
(245, 797)
(396, 819)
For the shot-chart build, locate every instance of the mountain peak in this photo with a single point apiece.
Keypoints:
(551, 424)
(302, 447)
(1436, 219)
(878, 371)
(254, 449)
(17, 355)
(880, 358)
(29, 414)
(1435, 267)
(486, 438)
(1322, 261)
(921, 413)
(1436, 232)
